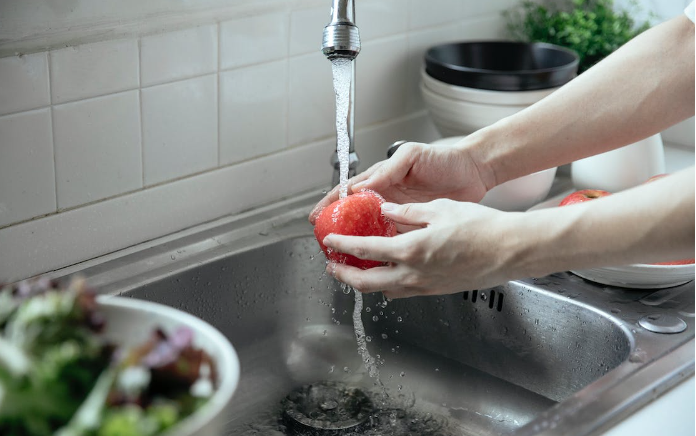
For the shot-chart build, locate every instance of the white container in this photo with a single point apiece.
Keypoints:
(130, 321)
(475, 95)
(458, 110)
(622, 168)
(514, 195)
(458, 117)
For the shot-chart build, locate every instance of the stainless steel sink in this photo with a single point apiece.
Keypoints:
(554, 356)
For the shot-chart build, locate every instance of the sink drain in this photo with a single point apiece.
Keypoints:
(326, 408)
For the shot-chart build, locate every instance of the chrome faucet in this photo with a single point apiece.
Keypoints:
(342, 40)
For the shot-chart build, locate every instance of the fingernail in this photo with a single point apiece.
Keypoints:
(327, 240)
(388, 207)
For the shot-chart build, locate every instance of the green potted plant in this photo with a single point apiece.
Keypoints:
(592, 28)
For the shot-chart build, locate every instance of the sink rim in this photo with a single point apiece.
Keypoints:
(607, 400)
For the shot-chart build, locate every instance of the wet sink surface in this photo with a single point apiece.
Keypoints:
(531, 357)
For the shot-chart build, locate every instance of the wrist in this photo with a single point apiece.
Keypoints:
(491, 149)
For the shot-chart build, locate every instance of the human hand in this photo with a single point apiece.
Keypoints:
(443, 247)
(418, 173)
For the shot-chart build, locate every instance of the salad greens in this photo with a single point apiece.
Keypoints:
(59, 376)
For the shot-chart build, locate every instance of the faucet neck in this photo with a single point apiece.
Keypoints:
(343, 12)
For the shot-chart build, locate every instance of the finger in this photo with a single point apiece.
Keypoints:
(367, 280)
(403, 293)
(383, 249)
(392, 170)
(405, 228)
(412, 214)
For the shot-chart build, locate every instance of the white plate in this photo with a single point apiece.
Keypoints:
(637, 276)
(640, 276)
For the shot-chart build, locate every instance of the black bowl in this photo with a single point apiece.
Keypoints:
(502, 65)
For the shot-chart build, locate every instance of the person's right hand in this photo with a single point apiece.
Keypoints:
(418, 173)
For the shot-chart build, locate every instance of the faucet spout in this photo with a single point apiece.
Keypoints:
(341, 35)
(341, 40)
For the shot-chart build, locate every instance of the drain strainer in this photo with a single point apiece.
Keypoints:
(326, 408)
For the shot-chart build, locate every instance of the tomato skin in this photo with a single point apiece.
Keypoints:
(676, 262)
(359, 214)
(583, 195)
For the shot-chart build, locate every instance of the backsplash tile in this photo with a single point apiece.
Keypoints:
(24, 83)
(178, 55)
(180, 128)
(27, 181)
(434, 12)
(418, 43)
(381, 73)
(97, 148)
(253, 111)
(253, 40)
(311, 106)
(380, 18)
(306, 27)
(90, 70)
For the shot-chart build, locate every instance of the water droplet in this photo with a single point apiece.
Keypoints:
(402, 374)
(384, 336)
(368, 310)
(400, 319)
(375, 318)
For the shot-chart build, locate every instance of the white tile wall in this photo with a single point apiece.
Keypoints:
(97, 148)
(180, 133)
(252, 40)
(24, 83)
(311, 106)
(434, 12)
(304, 37)
(419, 41)
(380, 18)
(253, 111)
(90, 70)
(381, 71)
(179, 55)
(27, 181)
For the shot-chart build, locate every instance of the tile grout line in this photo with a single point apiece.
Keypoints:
(141, 117)
(53, 126)
(218, 94)
(286, 146)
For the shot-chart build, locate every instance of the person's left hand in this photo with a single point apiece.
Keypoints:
(442, 247)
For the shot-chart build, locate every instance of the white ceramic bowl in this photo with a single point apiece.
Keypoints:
(518, 194)
(458, 117)
(475, 95)
(130, 321)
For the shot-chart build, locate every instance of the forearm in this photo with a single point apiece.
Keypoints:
(641, 89)
(650, 223)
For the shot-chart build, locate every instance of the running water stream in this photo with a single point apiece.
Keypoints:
(342, 76)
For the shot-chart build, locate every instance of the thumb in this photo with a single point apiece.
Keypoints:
(413, 214)
(388, 172)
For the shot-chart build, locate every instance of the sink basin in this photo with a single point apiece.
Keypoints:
(555, 356)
